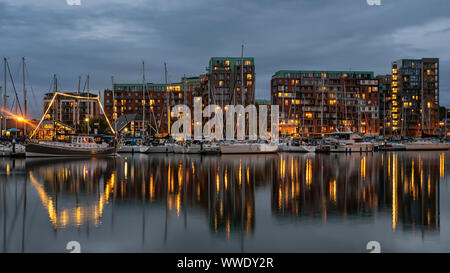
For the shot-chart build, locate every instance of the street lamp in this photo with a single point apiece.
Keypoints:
(88, 127)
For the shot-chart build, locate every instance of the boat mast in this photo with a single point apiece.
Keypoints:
(77, 109)
(24, 98)
(55, 82)
(422, 106)
(345, 104)
(114, 105)
(168, 99)
(336, 108)
(242, 77)
(303, 114)
(4, 100)
(384, 113)
(143, 96)
(359, 110)
(89, 105)
(321, 108)
(184, 89)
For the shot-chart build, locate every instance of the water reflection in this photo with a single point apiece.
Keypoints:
(341, 186)
(225, 191)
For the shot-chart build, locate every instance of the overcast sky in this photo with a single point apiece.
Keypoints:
(112, 37)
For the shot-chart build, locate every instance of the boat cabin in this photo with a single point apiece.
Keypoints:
(82, 139)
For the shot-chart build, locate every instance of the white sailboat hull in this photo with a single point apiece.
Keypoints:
(256, 148)
(425, 146)
(299, 149)
(349, 148)
(189, 149)
(158, 149)
(128, 149)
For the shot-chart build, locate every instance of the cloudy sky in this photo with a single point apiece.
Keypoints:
(107, 38)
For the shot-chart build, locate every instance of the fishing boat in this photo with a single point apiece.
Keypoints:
(79, 146)
(248, 148)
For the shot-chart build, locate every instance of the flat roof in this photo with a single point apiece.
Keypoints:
(287, 73)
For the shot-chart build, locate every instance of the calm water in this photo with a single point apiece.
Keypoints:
(234, 203)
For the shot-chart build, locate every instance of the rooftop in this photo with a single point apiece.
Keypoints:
(315, 73)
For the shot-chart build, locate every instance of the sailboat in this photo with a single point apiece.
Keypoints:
(248, 147)
(79, 146)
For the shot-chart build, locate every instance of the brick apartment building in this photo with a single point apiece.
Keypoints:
(228, 77)
(314, 103)
(220, 85)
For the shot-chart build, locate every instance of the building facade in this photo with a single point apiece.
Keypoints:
(414, 97)
(151, 98)
(385, 87)
(221, 85)
(228, 77)
(71, 111)
(315, 103)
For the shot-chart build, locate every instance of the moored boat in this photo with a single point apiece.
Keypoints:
(248, 148)
(349, 142)
(422, 145)
(187, 148)
(129, 146)
(393, 146)
(210, 148)
(12, 150)
(80, 146)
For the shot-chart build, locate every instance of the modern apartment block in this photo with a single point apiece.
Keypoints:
(228, 77)
(71, 111)
(221, 85)
(414, 97)
(385, 87)
(315, 103)
(153, 98)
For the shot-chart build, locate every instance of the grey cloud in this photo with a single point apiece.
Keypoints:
(105, 38)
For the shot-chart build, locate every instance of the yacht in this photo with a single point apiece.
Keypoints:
(349, 142)
(210, 148)
(79, 146)
(157, 147)
(248, 148)
(8, 150)
(187, 148)
(127, 145)
(296, 147)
